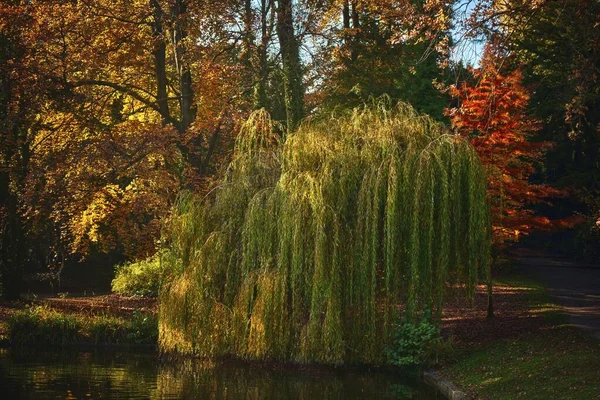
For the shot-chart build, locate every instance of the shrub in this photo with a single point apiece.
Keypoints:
(141, 278)
(414, 342)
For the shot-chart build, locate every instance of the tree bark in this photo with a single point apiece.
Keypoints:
(16, 152)
(490, 307)
(160, 61)
(12, 247)
(346, 14)
(187, 108)
(262, 74)
(292, 69)
(355, 18)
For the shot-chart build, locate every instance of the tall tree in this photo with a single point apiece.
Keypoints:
(259, 23)
(292, 67)
(128, 107)
(492, 113)
(372, 58)
(14, 160)
(556, 44)
(22, 95)
(560, 54)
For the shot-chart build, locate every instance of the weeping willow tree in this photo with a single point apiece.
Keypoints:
(310, 250)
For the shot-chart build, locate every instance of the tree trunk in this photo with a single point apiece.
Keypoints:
(12, 246)
(187, 108)
(350, 15)
(346, 14)
(490, 307)
(262, 74)
(355, 19)
(248, 35)
(292, 69)
(160, 61)
(15, 156)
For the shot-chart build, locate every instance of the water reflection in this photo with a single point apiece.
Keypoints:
(100, 374)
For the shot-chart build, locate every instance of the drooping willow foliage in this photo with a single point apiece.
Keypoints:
(310, 250)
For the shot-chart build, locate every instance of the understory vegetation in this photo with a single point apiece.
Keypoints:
(415, 344)
(41, 325)
(140, 278)
(311, 250)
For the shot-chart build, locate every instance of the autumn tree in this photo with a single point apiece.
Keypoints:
(16, 106)
(292, 67)
(116, 123)
(560, 55)
(493, 114)
(556, 45)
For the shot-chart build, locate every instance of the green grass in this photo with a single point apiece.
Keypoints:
(561, 364)
(556, 362)
(538, 299)
(41, 325)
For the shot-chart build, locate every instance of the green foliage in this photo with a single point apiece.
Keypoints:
(404, 71)
(141, 278)
(41, 325)
(143, 328)
(563, 71)
(305, 250)
(414, 342)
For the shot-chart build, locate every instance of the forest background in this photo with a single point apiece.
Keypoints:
(109, 109)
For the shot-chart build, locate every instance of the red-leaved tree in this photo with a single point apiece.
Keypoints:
(492, 114)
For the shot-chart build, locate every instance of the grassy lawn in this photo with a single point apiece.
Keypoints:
(552, 361)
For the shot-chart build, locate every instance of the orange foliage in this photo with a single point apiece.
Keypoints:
(492, 114)
(104, 160)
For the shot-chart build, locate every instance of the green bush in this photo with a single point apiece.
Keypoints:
(107, 330)
(140, 278)
(414, 342)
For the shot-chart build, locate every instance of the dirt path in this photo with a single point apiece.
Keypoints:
(574, 286)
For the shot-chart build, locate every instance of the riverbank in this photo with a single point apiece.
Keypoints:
(527, 351)
(79, 321)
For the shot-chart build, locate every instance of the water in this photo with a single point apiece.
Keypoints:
(101, 374)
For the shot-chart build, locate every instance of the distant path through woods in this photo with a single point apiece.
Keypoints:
(574, 286)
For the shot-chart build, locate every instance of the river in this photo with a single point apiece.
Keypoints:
(107, 374)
